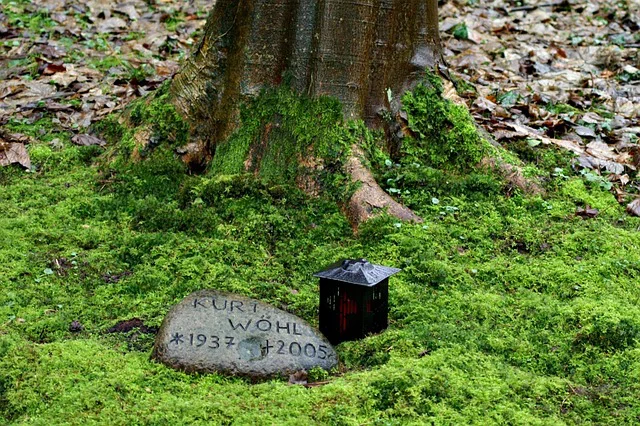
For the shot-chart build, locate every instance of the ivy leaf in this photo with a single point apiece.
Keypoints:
(508, 99)
(533, 142)
(461, 32)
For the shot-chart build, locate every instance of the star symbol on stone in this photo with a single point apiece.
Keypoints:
(177, 339)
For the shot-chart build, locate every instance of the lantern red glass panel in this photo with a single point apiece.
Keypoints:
(354, 299)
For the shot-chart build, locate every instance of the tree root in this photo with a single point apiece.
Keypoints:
(370, 200)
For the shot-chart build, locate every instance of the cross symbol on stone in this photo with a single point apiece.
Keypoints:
(177, 339)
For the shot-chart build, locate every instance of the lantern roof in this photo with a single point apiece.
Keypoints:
(358, 271)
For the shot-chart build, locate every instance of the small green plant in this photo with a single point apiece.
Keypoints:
(508, 99)
(460, 31)
(317, 374)
(596, 179)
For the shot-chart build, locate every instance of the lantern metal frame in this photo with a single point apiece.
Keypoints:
(354, 299)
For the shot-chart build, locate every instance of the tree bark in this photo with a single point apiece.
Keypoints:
(365, 53)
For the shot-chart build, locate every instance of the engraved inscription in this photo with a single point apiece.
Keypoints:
(219, 304)
(213, 331)
(294, 348)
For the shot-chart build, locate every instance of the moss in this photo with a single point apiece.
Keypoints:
(577, 191)
(509, 309)
(111, 128)
(167, 126)
(283, 136)
(544, 158)
(140, 158)
(446, 135)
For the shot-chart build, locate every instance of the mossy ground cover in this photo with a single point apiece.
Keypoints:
(510, 309)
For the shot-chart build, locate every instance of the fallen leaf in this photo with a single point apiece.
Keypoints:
(587, 212)
(65, 77)
(127, 9)
(592, 118)
(112, 25)
(484, 104)
(21, 93)
(603, 151)
(506, 134)
(594, 163)
(87, 140)
(51, 69)
(627, 108)
(14, 153)
(52, 51)
(76, 327)
(585, 131)
(133, 323)
(298, 378)
(634, 207)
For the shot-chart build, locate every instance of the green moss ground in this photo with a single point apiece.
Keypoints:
(509, 309)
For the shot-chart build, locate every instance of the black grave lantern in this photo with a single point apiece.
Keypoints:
(354, 299)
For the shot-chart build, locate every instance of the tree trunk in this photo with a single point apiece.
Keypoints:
(365, 54)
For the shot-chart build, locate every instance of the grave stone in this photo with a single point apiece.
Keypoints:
(211, 331)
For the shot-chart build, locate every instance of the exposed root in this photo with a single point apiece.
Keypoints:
(370, 200)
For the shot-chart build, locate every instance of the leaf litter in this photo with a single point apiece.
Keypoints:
(564, 73)
(78, 61)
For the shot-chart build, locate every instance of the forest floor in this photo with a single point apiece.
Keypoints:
(510, 308)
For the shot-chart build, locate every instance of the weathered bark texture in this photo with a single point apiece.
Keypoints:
(369, 199)
(355, 51)
(365, 53)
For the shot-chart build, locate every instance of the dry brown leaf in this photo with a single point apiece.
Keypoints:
(65, 78)
(590, 162)
(87, 140)
(484, 104)
(20, 93)
(127, 9)
(587, 212)
(506, 134)
(592, 118)
(634, 207)
(51, 69)
(14, 153)
(112, 25)
(605, 152)
(298, 378)
(585, 131)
